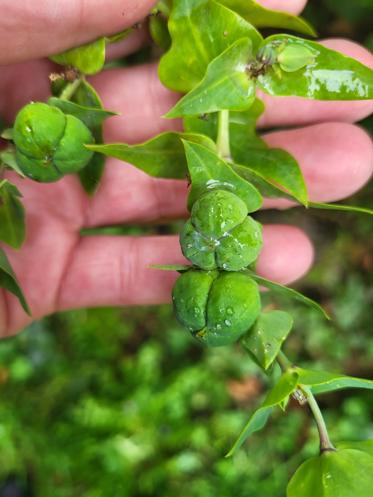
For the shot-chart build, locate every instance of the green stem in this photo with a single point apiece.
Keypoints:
(222, 143)
(70, 89)
(304, 392)
(325, 443)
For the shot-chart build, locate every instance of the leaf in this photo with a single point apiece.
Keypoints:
(7, 134)
(265, 18)
(8, 157)
(226, 85)
(340, 207)
(341, 473)
(330, 76)
(200, 31)
(8, 280)
(279, 393)
(265, 339)
(87, 97)
(277, 168)
(162, 156)
(323, 382)
(12, 215)
(159, 31)
(288, 292)
(209, 172)
(92, 117)
(88, 58)
(118, 36)
(171, 267)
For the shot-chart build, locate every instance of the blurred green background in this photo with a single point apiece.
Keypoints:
(122, 402)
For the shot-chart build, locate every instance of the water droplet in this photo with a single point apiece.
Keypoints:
(229, 311)
(227, 322)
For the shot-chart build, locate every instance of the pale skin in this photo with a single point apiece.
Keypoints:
(57, 268)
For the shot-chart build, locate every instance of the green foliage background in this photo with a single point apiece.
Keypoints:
(122, 401)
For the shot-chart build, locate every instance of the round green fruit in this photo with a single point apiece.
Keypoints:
(216, 307)
(50, 144)
(219, 234)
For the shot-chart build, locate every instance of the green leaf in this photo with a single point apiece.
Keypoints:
(8, 280)
(226, 85)
(288, 292)
(181, 268)
(200, 31)
(12, 215)
(162, 156)
(92, 117)
(330, 76)
(87, 97)
(209, 172)
(341, 473)
(340, 207)
(8, 157)
(323, 382)
(265, 18)
(277, 168)
(119, 36)
(265, 339)
(159, 31)
(276, 397)
(88, 58)
(7, 134)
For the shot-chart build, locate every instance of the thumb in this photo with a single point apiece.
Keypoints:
(30, 30)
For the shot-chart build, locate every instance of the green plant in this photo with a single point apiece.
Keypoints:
(219, 71)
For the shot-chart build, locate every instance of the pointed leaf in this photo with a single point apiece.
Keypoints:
(200, 31)
(12, 215)
(162, 156)
(7, 134)
(323, 382)
(88, 58)
(208, 172)
(288, 292)
(340, 207)
(171, 267)
(87, 97)
(281, 391)
(226, 85)
(92, 117)
(330, 76)
(265, 339)
(8, 280)
(8, 157)
(265, 18)
(276, 167)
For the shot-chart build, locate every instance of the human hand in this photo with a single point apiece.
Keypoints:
(57, 268)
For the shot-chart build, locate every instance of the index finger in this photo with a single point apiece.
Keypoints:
(30, 30)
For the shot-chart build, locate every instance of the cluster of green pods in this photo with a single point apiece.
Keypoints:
(49, 143)
(215, 300)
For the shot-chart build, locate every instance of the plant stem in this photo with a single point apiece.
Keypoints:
(222, 143)
(283, 361)
(70, 89)
(325, 443)
(304, 393)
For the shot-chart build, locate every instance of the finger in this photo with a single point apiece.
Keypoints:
(29, 30)
(287, 111)
(336, 160)
(115, 271)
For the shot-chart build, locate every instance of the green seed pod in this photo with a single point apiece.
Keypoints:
(295, 57)
(217, 308)
(50, 144)
(220, 234)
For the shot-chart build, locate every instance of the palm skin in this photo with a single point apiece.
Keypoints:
(57, 267)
